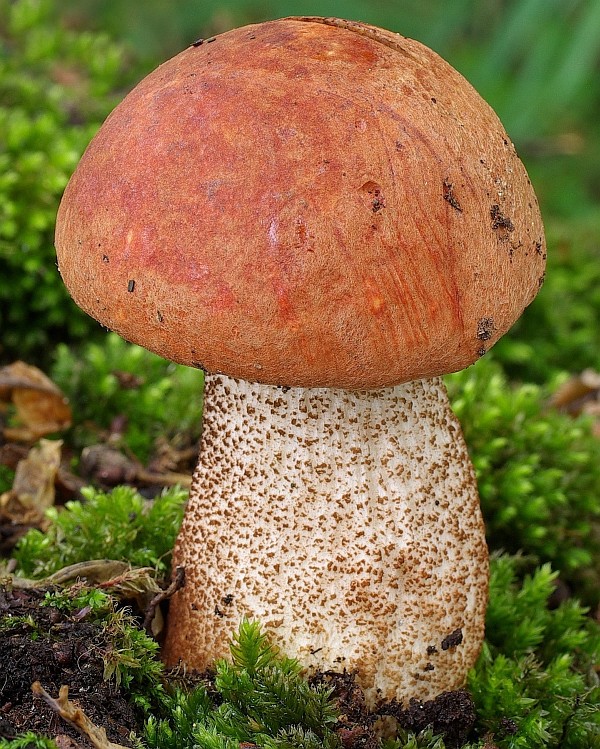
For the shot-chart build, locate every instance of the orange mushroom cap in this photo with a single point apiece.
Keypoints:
(306, 202)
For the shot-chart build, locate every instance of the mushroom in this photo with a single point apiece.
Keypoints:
(325, 217)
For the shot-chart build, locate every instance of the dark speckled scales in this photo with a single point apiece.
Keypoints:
(348, 523)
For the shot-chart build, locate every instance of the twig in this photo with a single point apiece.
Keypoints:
(163, 479)
(176, 584)
(75, 716)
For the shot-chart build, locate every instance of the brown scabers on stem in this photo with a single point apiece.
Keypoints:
(303, 217)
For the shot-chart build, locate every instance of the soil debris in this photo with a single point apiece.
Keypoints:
(451, 714)
(42, 643)
(75, 716)
(356, 724)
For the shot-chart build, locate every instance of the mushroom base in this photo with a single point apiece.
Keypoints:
(348, 523)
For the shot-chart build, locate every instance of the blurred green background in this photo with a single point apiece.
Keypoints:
(64, 65)
(535, 61)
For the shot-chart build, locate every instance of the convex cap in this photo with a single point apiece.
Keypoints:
(308, 202)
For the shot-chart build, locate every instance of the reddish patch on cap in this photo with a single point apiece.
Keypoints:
(293, 126)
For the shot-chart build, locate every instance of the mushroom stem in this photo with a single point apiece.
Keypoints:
(347, 522)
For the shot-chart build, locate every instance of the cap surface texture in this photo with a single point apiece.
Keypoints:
(307, 202)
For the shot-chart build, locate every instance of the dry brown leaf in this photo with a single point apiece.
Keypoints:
(108, 466)
(115, 577)
(33, 491)
(40, 406)
(580, 395)
(92, 571)
(170, 458)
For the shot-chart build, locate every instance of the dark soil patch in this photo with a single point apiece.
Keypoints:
(356, 725)
(46, 645)
(451, 714)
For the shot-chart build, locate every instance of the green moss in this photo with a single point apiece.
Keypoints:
(27, 623)
(55, 90)
(119, 525)
(165, 399)
(535, 683)
(261, 698)
(538, 472)
(29, 740)
(559, 332)
(96, 603)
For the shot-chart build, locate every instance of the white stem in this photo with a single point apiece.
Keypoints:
(348, 523)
